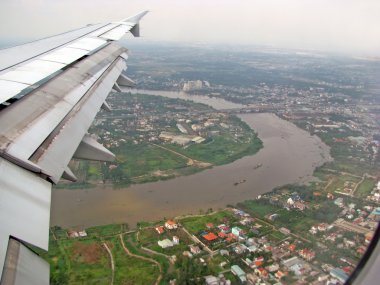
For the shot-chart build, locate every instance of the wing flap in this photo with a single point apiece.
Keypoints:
(88, 44)
(65, 55)
(116, 33)
(32, 72)
(10, 88)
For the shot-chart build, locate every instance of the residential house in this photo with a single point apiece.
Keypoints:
(224, 229)
(307, 254)
(299, 205)
(285, 231)
(160, 230)
(236, 231)
(240, 248)
(194, 249)
(322, 227)
(175, 240)
(339, 274)
(210, 236)
(261, 272)
(279, 274)
(236, 270)
(339, 202)
(165, 243)
(171, 225)
(209, 225)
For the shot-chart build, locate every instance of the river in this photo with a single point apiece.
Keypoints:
(290, 155)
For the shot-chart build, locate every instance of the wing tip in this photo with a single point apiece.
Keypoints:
(136, 18)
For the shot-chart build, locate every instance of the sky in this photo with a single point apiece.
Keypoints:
(343, 26)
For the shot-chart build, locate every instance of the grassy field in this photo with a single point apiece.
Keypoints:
(149, 238)
(78, 262)
(221, 149)
(131, 270)
(89, 263)
(107, 230)
(365, 188)
(196, 224)
(139, 159)
(340, 182)
(257, 208)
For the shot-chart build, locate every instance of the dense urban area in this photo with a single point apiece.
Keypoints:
(310, 233)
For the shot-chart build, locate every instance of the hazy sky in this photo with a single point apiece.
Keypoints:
(350, 26)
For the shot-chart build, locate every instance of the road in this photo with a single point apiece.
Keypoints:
(112, 261)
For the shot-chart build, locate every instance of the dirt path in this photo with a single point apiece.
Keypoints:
(329, 183)
(142, 258)
(112, 261)
(358, 184)
(190, 161)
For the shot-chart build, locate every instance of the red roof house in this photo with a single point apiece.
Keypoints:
(210, 237)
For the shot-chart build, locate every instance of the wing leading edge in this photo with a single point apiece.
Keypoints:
(49, 97)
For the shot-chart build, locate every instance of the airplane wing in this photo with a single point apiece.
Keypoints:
(50, 92)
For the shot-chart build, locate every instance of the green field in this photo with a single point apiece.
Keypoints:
(220, 150)
(78, 262)
(196, 224)
(259, 208)
(365, 188)
(338, 183)
(131, 270)
(107, 230)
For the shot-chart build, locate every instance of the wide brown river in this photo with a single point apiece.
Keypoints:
(289, 155)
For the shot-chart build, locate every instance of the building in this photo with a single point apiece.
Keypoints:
(192, 85)
(339, 274)
(252, 248)
(198, 140)
(194, 249)
(175, 240)
(209, 225)
(285, 231)
(339, 202)
(182, 129)
(224, 229)
(165, 243)
(171, 225)
(236, 270)
(299, 205)
(291, 261)
(220, 280)
(210, 237)
(236, 231)
(160, 230)
(307, 254)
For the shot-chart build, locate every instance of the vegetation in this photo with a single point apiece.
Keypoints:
(365, 187)
(196, 224)
(131, 270)
(74, 262)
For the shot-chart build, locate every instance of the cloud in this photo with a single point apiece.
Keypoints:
(339, 25)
